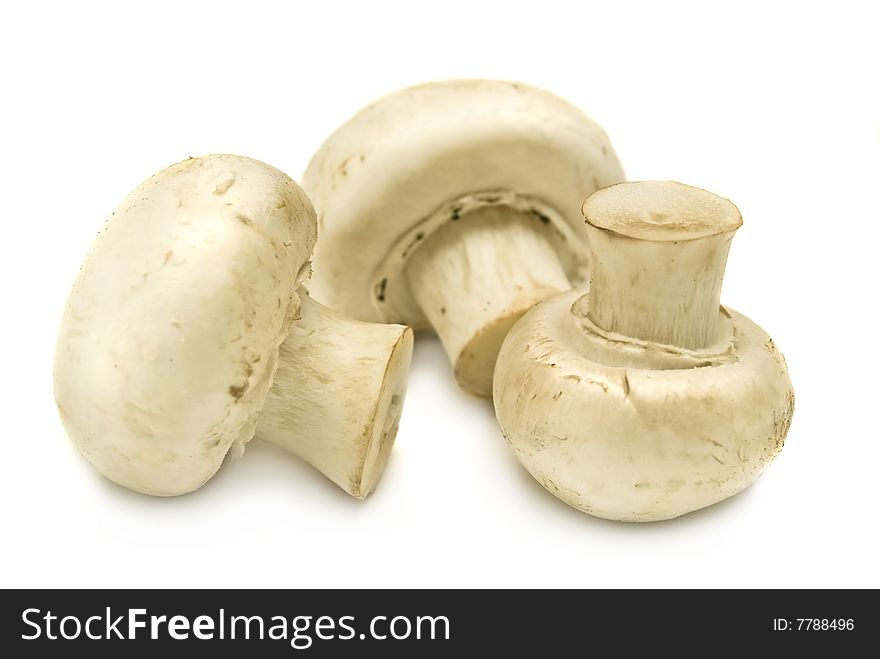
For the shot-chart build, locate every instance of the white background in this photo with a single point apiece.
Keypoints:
(775, 107)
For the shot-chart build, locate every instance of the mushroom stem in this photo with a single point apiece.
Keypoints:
(658, 259)
(474, 277)
(338, 394)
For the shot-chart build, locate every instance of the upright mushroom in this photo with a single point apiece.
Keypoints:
(644, 398)
(455, 206)
(169, 346)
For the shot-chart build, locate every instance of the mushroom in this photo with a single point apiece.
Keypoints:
(187, 320)
(455, 206)
(644, 398)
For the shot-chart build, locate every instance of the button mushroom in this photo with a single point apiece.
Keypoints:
(187, 320)
(645, 399)
(455, 206)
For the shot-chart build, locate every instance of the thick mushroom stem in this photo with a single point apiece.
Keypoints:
(338, 394)
(473, 279)
(658, 255)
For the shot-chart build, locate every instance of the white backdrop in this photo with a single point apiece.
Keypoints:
(775, 107)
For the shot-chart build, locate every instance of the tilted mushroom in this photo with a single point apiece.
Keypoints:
(645, 399)
(455, 206)
(169, 346)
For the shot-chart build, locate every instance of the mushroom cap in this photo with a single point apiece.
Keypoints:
(170, 337)
(406, 164)
(639, 444)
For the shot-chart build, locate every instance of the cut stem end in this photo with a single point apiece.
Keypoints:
(338, 395)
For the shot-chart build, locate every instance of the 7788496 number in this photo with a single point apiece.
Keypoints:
(813, 624)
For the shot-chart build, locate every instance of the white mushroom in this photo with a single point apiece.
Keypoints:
(455, 206)
(645, 399)
(169, 344)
